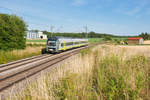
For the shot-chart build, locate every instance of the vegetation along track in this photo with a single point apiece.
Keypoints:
(22, 70)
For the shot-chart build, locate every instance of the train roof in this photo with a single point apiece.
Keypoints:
(64, 39)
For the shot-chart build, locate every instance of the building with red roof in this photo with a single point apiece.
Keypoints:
(135, 40)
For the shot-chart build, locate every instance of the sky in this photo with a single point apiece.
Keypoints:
(118, 17)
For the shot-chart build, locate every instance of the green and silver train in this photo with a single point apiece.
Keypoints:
(57, 44)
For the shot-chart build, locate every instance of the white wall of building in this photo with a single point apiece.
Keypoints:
(35, 35)
(141, 41)
(41, 35)
(31, 35)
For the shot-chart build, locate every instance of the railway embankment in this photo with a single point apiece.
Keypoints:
(100, 73)
(15, 72)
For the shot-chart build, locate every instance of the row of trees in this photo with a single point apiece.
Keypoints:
(82, 35)
(12, 32)
(145, 36)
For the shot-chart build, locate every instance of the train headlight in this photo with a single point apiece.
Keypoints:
(51, 49)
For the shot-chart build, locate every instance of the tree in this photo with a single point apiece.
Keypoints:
(12, 32)
(47, 33)
(145, 35)
(92, 34)
(34, 30)
(142, 35)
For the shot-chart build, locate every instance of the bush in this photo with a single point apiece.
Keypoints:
(12, 32)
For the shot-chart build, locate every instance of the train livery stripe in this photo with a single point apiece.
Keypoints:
(72, 46)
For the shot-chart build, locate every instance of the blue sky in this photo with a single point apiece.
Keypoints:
(120, 17)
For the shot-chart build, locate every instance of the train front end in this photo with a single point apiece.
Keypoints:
(52, 45)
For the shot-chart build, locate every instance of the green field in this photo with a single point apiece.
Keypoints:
(91, 40)
(95, 40)
(36, 40)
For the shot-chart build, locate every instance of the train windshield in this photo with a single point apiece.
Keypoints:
(52, 41)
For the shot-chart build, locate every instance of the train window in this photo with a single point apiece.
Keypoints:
(69, 43)
(76, 43)
(84, 42)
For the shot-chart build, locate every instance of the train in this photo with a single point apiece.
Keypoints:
(58, 44)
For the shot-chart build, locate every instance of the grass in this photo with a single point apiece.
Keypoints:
(137, 45)
(35, 44)
(40, 40)
(33, 49)
(102, 73)
(95, 40)
(8, 56)
(119, 38)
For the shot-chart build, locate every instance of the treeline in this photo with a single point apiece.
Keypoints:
(12, 32)
(83, 35)
(145, 36)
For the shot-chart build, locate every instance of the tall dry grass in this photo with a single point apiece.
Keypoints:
(146, 42)
(122, 75)
(7, 56)
(45, 87)
(102, 73)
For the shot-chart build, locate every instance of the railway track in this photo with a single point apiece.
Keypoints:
(18, 71)
(19, 63)
(22, 60)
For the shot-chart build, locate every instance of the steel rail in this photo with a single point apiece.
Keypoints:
(22, 62)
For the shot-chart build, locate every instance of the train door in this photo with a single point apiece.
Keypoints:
(57, 46)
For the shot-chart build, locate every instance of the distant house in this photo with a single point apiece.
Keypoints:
(135, 40)
(41, 35)
(35, 35)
